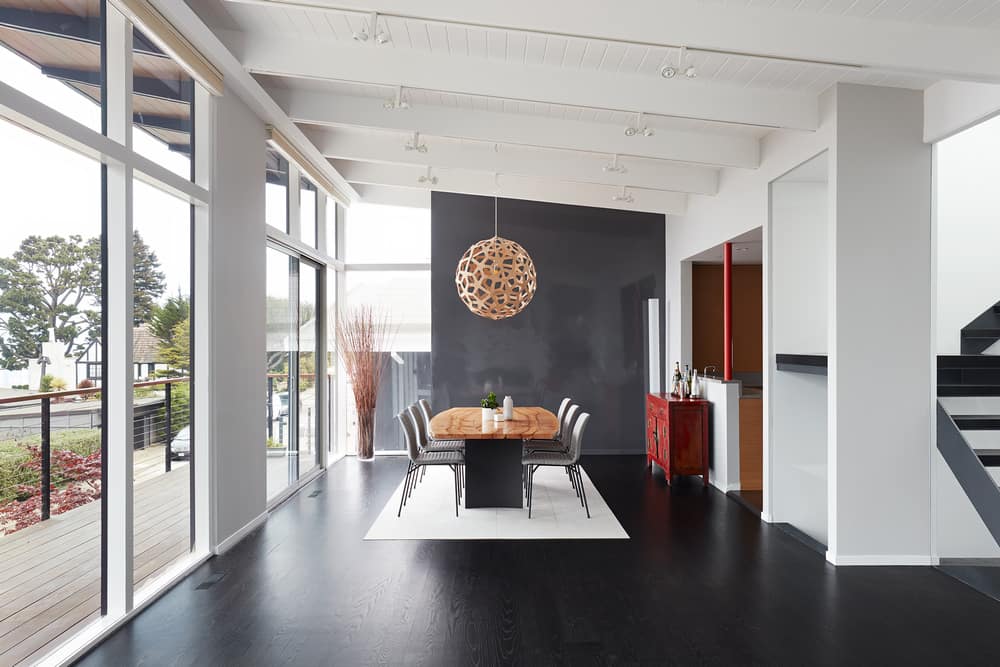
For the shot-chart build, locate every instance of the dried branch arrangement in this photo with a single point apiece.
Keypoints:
(364, 337)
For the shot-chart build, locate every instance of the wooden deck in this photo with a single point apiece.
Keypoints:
(50, 573)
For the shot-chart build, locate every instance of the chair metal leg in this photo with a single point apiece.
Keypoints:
(572, 480)
(423, 473)
(583, 492)
(454, 469)
(406, 484)
(531, 486)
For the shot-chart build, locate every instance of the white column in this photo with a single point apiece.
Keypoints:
(880, 380)
(118, 373)
(201, 332)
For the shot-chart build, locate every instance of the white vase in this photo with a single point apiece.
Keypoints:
(487, 414)
(508, 407)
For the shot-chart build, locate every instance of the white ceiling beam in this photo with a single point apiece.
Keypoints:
(318, 108)
(390, 196)
(898, 46)
(291, 55)
(514, 187)
(389, 148)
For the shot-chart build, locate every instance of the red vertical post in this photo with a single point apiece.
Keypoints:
(727, 307)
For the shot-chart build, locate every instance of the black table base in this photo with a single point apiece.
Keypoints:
(493, 473)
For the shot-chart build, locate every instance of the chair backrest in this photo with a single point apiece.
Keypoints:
(425, 407)
(563, 407)
(566, 423)
(417, 415)
(576, 440)
(409, 434)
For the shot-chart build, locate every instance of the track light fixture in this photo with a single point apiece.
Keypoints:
(614, 168)
(427, 179)
(624, 196)
(397, 101)
(363, 35)
(639, 127)
(415, 145)
(670, 71)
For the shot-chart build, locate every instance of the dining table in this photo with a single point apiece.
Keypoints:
(493, 450)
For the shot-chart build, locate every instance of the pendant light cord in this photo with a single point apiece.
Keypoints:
(496, 224)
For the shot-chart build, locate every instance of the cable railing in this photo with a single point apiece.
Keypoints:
(50, 445)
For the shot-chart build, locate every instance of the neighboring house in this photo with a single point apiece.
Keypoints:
(145, 351)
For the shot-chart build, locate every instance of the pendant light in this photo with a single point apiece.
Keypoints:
(496, 277)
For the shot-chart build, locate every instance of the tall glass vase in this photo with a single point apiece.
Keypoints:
(366, 433)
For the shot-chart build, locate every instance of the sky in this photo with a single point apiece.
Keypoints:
(51, 190)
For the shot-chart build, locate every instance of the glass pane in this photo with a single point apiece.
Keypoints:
(280, 344)
(406, 297)
(162, 107)
(308, 213)
(276, 191)
(52, 52)
(385, 234)
(50, 268)
(161, 354)
(308, 341)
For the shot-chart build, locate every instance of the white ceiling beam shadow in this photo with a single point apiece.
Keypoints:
(389, 196)
(286, 55)
(319, 108)
(897, 46)
(514, 187)
(389, 148)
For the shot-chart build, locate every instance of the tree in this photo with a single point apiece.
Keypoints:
(149, 280)
(54, 282)
(177, 353)
(165, 317)
(47, 283)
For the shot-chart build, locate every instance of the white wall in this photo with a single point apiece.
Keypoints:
(724, 473)
(237, 297)
(798, 246)
(968, 229)
(741, 205)
(800, 217)
(880, 381)
(798, 444)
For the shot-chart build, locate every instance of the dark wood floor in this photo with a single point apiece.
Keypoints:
(702, 581)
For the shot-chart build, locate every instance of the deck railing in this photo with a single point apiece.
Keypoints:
(158, 417)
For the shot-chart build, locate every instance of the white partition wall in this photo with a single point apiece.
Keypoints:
(880, 380)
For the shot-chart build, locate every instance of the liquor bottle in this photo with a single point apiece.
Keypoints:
(677, 379)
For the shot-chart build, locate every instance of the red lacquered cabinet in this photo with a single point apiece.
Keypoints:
(677, 435)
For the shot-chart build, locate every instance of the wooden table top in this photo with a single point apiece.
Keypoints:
(468, 424)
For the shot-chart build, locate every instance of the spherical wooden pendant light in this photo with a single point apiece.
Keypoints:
(496, 277)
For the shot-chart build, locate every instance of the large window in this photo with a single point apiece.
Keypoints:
(98, 495)
(276, 191)
(308, 211)
(293, 331)
(50, 253)
(387, 251)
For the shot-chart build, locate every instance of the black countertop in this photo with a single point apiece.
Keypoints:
(814, 364)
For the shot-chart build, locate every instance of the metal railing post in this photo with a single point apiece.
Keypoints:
(270, 407)
(46, 458)
(166, 418)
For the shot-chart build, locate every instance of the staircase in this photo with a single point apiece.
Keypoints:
(968, 428)
(982, 332)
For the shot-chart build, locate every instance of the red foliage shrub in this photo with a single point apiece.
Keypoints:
(85, 384)
(75, 481)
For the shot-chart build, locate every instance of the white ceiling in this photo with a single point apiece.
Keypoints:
(533, 99)
(748, 248)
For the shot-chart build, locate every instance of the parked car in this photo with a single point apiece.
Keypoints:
(180, 446)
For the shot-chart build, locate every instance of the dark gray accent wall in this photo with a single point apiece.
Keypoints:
(581, 336)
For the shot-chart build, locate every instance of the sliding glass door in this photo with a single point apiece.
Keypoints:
(292, 338)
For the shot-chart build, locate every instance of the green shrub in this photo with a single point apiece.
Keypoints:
(45, 384)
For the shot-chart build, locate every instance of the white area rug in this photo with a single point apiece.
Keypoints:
(556, 513)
